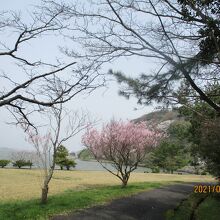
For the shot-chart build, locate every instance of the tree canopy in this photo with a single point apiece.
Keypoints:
(62, 159)
(31, 84)
(181, 36)
(204, 132)
(123, 144)
(173, 152)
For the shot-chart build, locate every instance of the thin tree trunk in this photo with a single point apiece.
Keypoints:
(45, 187)
(44, 194)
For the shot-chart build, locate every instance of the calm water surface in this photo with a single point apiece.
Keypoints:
(94, 165)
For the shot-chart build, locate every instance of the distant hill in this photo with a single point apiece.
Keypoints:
(159, 116)
(85, 154)
(5, 153)
(163, 118)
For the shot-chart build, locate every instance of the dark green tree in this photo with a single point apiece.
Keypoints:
(172, 153)
(179, 131)
(196, 161)
(209, 146)
(205, 130)
(4, 163)
(61, 156)
(29, 163)
(20, 163)
(68, 163)
(169, 156)
(208, 13)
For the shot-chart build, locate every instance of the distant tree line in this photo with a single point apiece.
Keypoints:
(17, 163)
(20, 159)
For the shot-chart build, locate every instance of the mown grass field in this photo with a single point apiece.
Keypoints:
(68, 201)
(24, 184)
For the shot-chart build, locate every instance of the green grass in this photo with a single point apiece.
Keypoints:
(208, 209)
(185, 208)
(25, 184)
(68, 201)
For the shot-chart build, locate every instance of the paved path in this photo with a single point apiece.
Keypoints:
(150, 205)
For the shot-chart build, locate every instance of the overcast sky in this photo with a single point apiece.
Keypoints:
(103, 103)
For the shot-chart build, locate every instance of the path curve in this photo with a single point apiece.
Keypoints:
(149, 205)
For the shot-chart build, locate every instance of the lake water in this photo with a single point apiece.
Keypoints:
(94, 165)
(89, 165)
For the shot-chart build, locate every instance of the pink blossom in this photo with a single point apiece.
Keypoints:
(125, 144)
(119, 138)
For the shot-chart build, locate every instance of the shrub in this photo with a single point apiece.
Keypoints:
(203, 173)
(4, 163)
(69, 163)
(20, 163)
(29, 163)
(155, 170)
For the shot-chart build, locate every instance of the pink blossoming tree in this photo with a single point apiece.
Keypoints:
(124, 144)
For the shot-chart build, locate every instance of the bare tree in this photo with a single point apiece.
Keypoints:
(24, 158)
(18, 155)
(32, 83)
(46, 146)
(181, 36)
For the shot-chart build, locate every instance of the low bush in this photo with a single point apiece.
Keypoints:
(21, 163)
(203, 173)
(155, 170)
(4, 163)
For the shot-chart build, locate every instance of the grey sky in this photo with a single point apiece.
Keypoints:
(103, 103)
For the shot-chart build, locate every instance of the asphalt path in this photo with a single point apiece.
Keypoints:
(149, 205)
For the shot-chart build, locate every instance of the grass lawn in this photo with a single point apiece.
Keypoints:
(24, 184)
(71, 190)
(67, 201)
(207, 209)
(185, 209)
